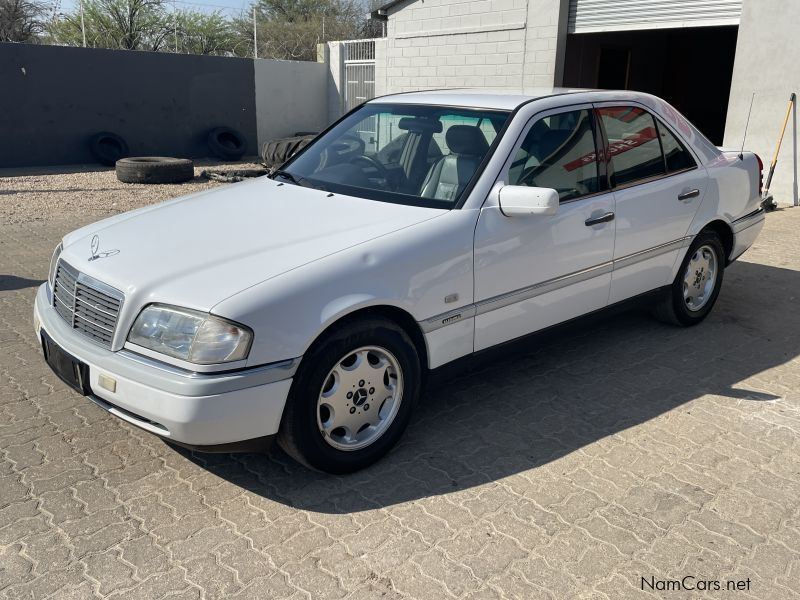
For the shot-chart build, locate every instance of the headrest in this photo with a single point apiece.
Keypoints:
(466, 139)
(417, 124)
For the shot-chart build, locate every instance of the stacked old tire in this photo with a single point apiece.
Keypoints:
(226, 143)
(277, 152)
(154, 169)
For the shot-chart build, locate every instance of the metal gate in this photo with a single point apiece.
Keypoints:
(359, 72)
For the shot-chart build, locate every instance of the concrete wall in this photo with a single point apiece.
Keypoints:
(434, 44)
(381, 70)
(290, 97)
(332, 55)
(474, 43)
(53, 99)
(767, 63)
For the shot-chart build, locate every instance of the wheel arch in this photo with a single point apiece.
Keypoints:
(725, 233)
(397, 315)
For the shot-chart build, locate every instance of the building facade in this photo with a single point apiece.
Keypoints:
(709, 58)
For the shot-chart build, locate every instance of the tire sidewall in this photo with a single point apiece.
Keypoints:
(683, 314)
(154, 169)
(108, 154)
(222, 151)
(300, 415)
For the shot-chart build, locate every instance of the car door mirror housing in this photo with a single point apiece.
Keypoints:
(522, 201)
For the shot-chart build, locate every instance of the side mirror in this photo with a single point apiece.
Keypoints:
(521, 201)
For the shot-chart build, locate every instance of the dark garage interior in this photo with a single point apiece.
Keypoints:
(691, 68)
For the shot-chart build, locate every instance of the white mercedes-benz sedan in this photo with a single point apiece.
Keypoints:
(419, 229)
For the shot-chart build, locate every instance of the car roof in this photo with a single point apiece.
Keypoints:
(508, 99)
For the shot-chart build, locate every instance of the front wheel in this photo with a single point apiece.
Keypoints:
(694, 291)
(352, 396)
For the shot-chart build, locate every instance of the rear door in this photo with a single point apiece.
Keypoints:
(658, 186)
(535, 271)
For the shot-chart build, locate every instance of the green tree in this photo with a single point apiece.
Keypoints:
(145, 25)
(118, 24)
(291, 29)
(204, 33)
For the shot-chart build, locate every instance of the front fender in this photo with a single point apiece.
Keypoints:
(413, 269)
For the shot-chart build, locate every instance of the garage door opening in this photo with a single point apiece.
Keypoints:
(691, 68)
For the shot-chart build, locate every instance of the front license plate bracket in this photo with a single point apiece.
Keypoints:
(69, 369)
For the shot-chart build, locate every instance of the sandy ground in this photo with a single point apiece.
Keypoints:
(38, 194)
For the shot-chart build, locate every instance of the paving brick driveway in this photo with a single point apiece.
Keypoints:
(578, 465)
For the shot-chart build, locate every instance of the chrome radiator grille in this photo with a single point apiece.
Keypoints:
(85, 304)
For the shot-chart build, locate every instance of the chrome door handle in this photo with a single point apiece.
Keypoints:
(688, 195)
(609, 216)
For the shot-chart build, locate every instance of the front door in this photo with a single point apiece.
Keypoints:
(535, 271)
(658, 187)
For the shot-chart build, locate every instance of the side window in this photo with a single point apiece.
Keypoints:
(676, 155)
(559, 153)
(632, 144)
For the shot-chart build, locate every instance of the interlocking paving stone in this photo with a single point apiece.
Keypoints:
(573, 467)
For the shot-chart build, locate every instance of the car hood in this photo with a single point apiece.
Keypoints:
(199, 250)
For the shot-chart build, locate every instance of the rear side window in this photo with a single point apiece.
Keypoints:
(675, 154)
(558, 152)
(632, 144)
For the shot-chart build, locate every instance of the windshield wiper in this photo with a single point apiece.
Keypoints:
(286, 175)
(298, 180)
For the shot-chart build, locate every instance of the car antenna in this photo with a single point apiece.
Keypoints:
(746, 125)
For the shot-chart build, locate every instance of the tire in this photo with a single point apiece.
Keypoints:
(317, 402)
(226, 143)
(277, 152)
(107, 148)
(154, 169)
(685, 310)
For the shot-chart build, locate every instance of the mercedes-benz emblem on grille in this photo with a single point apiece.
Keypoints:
(95, 247)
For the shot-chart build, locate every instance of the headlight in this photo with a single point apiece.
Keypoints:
(53, 263)
(190, 335)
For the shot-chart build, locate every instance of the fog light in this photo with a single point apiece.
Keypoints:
(107, 383)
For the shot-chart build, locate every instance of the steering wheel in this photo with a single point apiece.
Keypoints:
(348, 144)
(371, 163)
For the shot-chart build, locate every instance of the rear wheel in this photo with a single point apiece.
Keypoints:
(352, 396)
(694, 291)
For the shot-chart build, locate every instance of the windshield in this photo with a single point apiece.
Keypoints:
(407, 154)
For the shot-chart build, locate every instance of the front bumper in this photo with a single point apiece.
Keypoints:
(211, 411)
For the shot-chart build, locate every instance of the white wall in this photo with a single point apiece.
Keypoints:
(767, 63)
(291, 96)
(381, 70)
(332, 55)
(473, 43)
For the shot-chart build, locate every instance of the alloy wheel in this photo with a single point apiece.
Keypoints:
(360, 398)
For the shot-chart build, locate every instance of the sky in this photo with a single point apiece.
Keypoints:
(228, 7)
